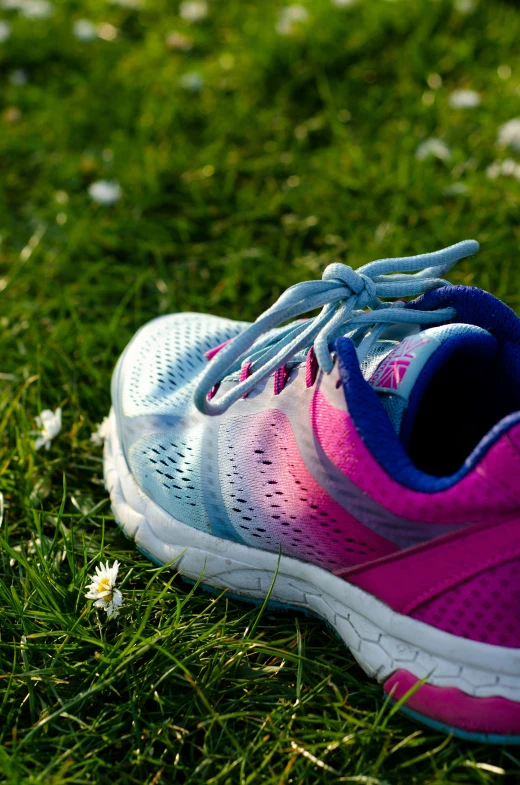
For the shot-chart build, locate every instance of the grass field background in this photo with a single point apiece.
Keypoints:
(250, 149)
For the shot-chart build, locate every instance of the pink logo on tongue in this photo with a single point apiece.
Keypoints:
(392, 370)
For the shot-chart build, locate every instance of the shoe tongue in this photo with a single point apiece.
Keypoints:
(400, 372)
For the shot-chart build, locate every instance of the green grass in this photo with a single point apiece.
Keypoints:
(296, 151)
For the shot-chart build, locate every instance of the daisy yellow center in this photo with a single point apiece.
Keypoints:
(104, 585)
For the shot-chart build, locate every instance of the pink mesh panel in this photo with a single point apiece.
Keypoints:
(490, 491)
(485, 608)
(272, 499)
(415, 576)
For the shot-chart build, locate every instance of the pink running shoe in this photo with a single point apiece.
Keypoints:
(363, 465)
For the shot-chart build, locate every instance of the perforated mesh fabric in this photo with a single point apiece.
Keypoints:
(168, 469)
(378, 353)
(445, 331)
(395, 408)
(272, 500)
(165, 358)
(485, 608)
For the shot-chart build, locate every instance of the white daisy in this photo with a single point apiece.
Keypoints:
(84, 30)
(464, 99)
(5, 31)
(105, 192)
(289, 18)
(101, 432)
(49, 423)
(102, 590)
(509, 134)
(193, 10)
(433, 148)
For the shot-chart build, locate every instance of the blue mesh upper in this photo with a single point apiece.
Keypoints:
(164, 359)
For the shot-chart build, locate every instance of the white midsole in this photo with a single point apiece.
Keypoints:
(381, 640)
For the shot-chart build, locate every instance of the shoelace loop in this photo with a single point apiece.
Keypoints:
(342, 294)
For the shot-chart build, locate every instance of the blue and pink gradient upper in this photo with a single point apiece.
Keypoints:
(287, 469)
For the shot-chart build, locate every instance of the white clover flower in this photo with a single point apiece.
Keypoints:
(464, 99)
(101, 432)
(509, 134)
(433, 148)
(289, 18)
(102, 590)
(192, 82)
(193, 10)
(105, 192)
(5, 31)
(84, 30)
(49, 423)
(344, 3)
